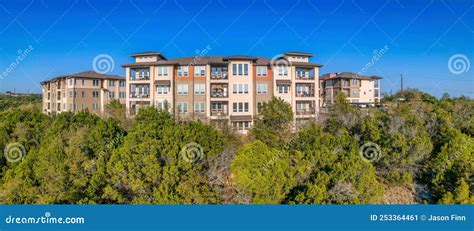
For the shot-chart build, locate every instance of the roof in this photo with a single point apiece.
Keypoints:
(148, 53)
(87, 74)
(298, 53)
(348, 75)
(204, 60)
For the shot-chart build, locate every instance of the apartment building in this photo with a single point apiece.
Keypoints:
(222, 88)
(87, 90)
(360, 89)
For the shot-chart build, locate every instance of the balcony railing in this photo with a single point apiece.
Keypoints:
(304, 76)
(218, 94)
(305, 111)
(219, 75)
(221, 112)
(139, 95)
(305, 94)
(140, 77)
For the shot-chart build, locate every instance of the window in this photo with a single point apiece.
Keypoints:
(162, 71)
(376, 92)
(95, 94)
(182, 107)
(59, 96)
(199, 89)
(162, 89)
(122, 83)
(49, 95)
(240, 69)
(75, 93)
(240, 88)
(70, 82)
(111, 83)
(261, 71)
(199, 107)
(182, 89)
(82, 82)
(355, 92)
(112, 94)
(122, 94)
(283, 89)
(199, 71)
(70, 93)
(241, 125)
(376, 84)
(262, 88)
(82, 93)
(183, 70)
(161, 105)
(58, 107)
(283, 70)
(95, 106)
(49, 106)
(240, 107)
(355, 82)
(95, 82)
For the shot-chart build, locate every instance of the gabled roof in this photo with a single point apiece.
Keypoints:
(87, 74)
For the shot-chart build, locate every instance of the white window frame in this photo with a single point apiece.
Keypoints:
(182, 89)
(199, 89)
(162, 89)
(200, 107)
(262, 71)
(182, 109)
(183, 71)
(262, 88)
(199, 70)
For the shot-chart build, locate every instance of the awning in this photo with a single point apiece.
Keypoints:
(241, 118)
(163, 82)
(283, 81)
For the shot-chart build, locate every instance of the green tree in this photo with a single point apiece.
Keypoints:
(272, 124)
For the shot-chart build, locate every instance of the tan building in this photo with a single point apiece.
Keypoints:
(360, 90)
(222, 88)
(82, 91)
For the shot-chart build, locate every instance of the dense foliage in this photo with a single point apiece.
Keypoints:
(421, 152)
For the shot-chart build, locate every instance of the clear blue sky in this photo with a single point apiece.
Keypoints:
(66, 35)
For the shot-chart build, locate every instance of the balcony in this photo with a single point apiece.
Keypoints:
(219, 109)
(304, 74)
(139, 91)
(140, 74)
(219, 90)
(305, 90)
(219, 73)
(305, 107)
